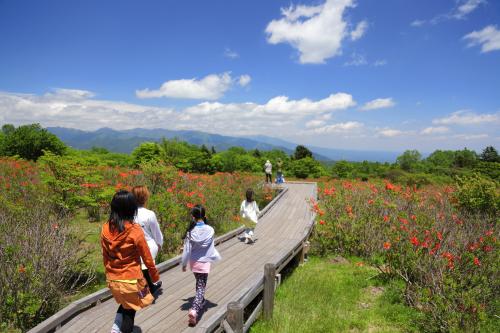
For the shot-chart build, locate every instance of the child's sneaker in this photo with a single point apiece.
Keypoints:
(192, 317)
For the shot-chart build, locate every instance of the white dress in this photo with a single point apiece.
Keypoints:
(250, 210)
(147, 220)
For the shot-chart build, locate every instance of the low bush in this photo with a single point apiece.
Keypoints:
(447, 257)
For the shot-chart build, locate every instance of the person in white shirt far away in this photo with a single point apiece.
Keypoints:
(249, 210)
(268, 168)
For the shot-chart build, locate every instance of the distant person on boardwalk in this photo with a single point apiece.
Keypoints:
(123, 244)
(279, 171)
(147, 220)
(199, 251)
(268, 168)
(249, 211)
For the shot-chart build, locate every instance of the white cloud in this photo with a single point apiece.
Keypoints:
(315, 123)
(379, 103)
(488, 38)
(87, 113)
(417, 23)
(471, 136)
(244, 80)
(360, 30)
(338, 128)
(316, 32)
(390, 133)
(356, 60)
(381, 62)
(210, 87)
(435, 130)
(459, 12)
(466, 7)
(228, 53)
(76, 109)
(466, 117)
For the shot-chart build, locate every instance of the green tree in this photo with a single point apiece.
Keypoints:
(465, 158)
(490, 154)
(342, 169)
(301, 152)
(408, 161)
(146, 152)
(30, 141)
(306, 167)
(8, 129)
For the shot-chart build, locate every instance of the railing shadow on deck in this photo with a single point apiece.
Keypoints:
(64, 315)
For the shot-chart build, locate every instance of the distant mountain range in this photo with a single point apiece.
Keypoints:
(126, 140)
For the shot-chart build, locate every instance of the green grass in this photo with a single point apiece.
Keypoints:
(325, 297)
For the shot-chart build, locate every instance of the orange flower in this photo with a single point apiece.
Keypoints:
(414, 241)
(370, 202)
(387, 245)
(386, 218)
(476, 261)
(21, 269)
(322, 222)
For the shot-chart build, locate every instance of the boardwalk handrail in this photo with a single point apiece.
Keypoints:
(55, 321)
(218, 322)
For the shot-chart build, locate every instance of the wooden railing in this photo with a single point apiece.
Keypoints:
(231, 319)
(57, 320)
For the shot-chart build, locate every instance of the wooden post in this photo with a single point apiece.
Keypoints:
(269, 283)
(235, 316)
(303, 252)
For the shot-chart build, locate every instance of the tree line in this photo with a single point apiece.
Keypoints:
(30, 142)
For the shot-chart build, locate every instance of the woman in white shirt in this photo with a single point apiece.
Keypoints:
(147, 220)
(249, 210)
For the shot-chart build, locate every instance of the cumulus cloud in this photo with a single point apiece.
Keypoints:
(466, 117)
(360, 30)
(315, 123)
(76, 109)
(488, 39)
(211, 87)
(435, 130)
(390, 132)
(316, 32)
(379, 103)
(82, 111)
(338, 128)
(244, 80)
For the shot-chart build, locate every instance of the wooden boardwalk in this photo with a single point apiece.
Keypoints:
(278, 232)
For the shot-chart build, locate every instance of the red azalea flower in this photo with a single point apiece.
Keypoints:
(387, 245)
(477, 262)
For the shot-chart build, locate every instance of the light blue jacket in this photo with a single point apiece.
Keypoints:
(199, 245)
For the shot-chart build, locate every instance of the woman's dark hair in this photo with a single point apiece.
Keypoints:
(123, 208)
(198, 213)
(249, 195)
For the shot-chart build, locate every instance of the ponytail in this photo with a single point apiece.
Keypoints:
(197, 213)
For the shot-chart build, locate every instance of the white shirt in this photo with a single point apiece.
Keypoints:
(147, 220)
(269, 167)
(250, 210)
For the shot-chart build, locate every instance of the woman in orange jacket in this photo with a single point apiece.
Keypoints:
(123, 245)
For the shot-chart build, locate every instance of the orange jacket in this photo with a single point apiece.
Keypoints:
(122, 253)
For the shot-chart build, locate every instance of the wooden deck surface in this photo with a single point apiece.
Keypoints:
(278, 232)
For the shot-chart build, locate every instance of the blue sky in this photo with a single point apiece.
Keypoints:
(377, 75)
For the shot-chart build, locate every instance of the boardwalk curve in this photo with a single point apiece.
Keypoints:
(280, 237)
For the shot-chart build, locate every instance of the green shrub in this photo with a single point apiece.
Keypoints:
(477, 194)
